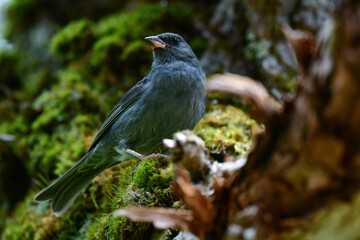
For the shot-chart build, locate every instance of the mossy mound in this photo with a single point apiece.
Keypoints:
(226, 130)
(149, 187)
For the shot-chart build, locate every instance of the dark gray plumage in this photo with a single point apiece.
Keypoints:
(170, 98)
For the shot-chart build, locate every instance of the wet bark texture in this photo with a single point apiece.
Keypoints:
(309, 154)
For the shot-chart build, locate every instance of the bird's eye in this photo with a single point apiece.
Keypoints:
(175, 40)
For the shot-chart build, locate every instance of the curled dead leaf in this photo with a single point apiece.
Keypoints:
(250, 90)
(304, 44)
(162, 218)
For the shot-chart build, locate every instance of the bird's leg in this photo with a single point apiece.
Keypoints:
(142, 157)
(135, 154)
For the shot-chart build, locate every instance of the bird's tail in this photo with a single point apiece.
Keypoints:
(63, 192)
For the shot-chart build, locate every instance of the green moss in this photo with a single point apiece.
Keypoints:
(35, 221)
(286, 82)
(150, 187)
(10, 77)
(60, 131)
(226, 129)
(120, 47)
(105, 226)
(18, 126)
(20, 16)
(112, 49)
(40, 224)
(107, 49)
(132, 24)
(112, 228)
(74, 40)
(148, 175)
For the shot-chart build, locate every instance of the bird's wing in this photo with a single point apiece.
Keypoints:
(125, 102)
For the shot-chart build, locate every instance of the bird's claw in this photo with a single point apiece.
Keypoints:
(142, 157)
(154, 155)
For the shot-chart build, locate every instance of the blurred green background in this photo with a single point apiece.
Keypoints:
(64, 64)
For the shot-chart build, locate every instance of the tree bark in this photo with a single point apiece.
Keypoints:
(310, 152)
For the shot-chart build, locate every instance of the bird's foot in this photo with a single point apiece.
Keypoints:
(135, 154)
(142, 157)
(155, 155)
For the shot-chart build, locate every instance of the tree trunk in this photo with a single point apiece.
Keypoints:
(309, 154)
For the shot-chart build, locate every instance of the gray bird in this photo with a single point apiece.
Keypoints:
(170, 98)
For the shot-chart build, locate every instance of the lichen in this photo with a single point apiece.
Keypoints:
(256, 49)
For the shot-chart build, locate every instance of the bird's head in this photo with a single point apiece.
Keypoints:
(168, 47)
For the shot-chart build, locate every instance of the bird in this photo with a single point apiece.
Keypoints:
(170, 98)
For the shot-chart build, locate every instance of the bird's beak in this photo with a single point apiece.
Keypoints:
(156, 42)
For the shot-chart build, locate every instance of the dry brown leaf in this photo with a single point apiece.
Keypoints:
(304, 45)
(192, 196)
(162, 218)
(248, 89)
